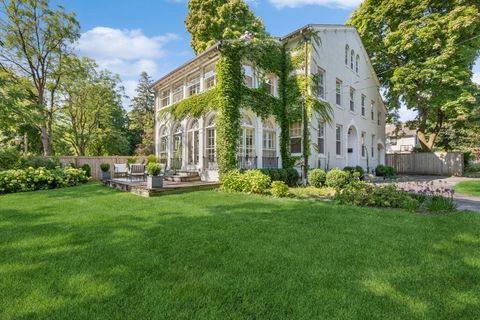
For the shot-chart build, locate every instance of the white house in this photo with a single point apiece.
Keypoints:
(400, 138)
(347, 82)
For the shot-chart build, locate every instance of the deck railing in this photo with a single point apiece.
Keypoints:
(247, 162)
(270, 162)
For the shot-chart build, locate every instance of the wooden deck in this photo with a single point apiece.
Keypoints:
(139, 187)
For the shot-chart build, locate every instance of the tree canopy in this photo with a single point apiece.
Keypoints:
(423, 52)
(209, 21)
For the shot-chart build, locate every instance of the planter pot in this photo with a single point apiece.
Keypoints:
(105, 175)
(154, 182)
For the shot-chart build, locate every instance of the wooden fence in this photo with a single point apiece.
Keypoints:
(435, 163)
(94, 162)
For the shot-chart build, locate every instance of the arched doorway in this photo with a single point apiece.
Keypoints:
(352, 147)
(193, 142)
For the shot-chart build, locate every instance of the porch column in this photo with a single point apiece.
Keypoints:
(259, 142)
(201, 144)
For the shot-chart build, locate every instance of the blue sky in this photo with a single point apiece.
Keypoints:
(128, 36)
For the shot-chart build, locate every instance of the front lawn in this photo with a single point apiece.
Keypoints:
(470, 188)
(93, 253)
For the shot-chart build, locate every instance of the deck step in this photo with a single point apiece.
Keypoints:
(184, 177)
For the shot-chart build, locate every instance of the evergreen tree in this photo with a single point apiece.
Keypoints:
(141, 117)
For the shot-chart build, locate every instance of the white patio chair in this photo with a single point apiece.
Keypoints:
(120, 170)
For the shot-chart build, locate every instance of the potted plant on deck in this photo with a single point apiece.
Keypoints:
(105, 167)
(154, 179)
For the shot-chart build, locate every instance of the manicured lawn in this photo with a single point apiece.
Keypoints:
(93, 253)
(471, 188)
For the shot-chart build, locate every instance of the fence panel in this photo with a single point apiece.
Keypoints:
(94, 162)
(435, 163)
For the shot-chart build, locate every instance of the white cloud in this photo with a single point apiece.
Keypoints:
(476, 77)
(327, 3)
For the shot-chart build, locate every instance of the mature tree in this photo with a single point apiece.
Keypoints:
(423, 52)
(209, 21)
(35, 41)
(91, 100)
(141, 117)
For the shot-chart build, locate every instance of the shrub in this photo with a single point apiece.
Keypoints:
(40, 162)
(317, 177)
(292, 177)
(279, 189)
(31, 179)
(131, 160)
(9, 158)
(384, 171)
(154, 168)
(104, 167)
(86, 167)
(289, 176)
(152, 158)
(252, 181)
(358, 169)
(440, 204)
(473, 167)
(336, 178)
(380, 170)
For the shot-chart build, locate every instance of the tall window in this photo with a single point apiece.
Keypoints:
(357, 62)
(247, 138)
(193, 142)
(363, 104)
(321, 137)
(372, 110)
(352, 59)
(163, 148)
(379, 116)
(248, 76)
(321, 83)
(165, 98)
(178, 92)
(338, 140)
(210, 77)
(296, 137)
(373, 146)
(347, 50)
(338, 92)
(210, 143)
(270, 84)
(269, 140)
(364, 137)
(177, 141)
(193, 85)
(352, 99)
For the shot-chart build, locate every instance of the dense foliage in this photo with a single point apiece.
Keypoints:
(279, 189)
(290, 175)
(423, 52)
(251, 181)
(337, 178)
(384, 171)
(32, 179)
(317, 177)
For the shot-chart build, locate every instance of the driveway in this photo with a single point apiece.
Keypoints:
(464, 202)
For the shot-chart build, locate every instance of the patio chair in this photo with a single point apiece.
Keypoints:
(137, 170)
(120, 170)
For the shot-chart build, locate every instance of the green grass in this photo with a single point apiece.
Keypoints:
(93, 253)
(471, 188)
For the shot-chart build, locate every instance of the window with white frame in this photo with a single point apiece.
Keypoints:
(193, 142)
(352, 99)
(296, 137)
(372, 110)
(210, 142)
(373, 146)
(193, 85)
(177, 140)
(338, 92)
(352, 59)
(165, 98)
(209, 77)
(338, 139)
(163, 148)
(270, 84)
(248, 75)
(321, 83)
(321, 137)
(357, 62)
(178, 92)
(364, 98)
(269, 140)
(246, 147)
(347, 51)
(363, 138)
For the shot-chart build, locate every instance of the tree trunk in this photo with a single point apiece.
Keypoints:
(427, 144)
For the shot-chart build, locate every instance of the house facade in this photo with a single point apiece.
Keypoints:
(347, 82)
(401, 138)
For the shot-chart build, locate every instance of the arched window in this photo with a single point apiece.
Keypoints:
(193, 142)
(163, 147)
(210, 143)
(247, 138)
(270, 159)
(357, 62)
(177, 146)
(347, 50)
(352, 59)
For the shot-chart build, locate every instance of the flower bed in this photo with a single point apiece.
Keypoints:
(31, 179)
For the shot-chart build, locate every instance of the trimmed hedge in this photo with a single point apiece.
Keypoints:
(317, 177)
(337, 178)
(32, 179)
(252, 181)
(384, 171)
